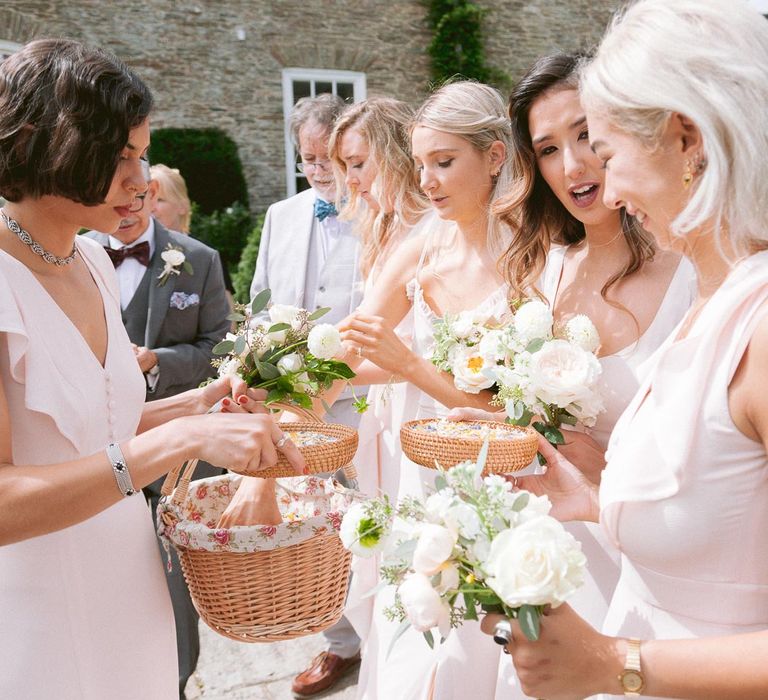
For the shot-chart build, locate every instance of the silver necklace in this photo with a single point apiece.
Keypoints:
(36, 248)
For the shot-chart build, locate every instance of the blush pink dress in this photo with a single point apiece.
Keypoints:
(685, 494)
(621, 375)
(84, 611)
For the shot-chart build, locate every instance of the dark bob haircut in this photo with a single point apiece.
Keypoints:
(65, 114)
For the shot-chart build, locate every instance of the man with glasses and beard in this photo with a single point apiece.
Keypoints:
(309, 259)
(175, 309)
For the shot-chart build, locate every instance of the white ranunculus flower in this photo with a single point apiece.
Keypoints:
(562, 373)
(468, 367)
(360, 534)
(434, 546)
(491, 345)
(439, 503)
(537, 507)
(533, 320)
(423, 605)
(536, 563)
(324, 341)
(173, 257)
(582, 331)
(289, 363)
(463, 325)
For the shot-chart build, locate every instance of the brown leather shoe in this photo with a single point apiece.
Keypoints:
(325, 671)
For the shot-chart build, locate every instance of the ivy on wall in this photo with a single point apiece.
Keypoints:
(457, 47)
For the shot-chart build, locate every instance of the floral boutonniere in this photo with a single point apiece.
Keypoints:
(175, 262)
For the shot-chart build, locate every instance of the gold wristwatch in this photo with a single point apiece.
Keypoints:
(631, 678)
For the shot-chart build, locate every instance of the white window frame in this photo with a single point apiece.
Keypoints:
(313, 76)
(7, 48)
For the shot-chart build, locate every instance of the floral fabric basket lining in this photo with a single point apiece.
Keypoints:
(309, 505)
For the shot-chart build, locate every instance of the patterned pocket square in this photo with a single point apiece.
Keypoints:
(182, 300)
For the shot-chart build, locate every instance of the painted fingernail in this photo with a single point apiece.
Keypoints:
(242, 400)
(225, 402)
(306, 470)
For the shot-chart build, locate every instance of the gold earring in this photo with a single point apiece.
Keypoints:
(687, 175)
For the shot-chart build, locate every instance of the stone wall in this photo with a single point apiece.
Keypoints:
(203, 74)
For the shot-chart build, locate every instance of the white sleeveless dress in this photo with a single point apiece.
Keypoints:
(405, 672)
(685, 494)
(84, 611)
(621, 375)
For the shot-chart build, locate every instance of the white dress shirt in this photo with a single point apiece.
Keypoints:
(131, 271)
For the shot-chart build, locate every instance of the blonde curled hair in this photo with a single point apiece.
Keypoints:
(383, 122)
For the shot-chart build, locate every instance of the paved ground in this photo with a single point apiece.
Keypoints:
(230, 670)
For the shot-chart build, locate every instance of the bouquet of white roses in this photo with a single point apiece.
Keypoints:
(290, 355)
(470, 345)
(553, 373)
(473, 546)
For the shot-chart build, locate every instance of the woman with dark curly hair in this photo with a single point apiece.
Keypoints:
(83, 602)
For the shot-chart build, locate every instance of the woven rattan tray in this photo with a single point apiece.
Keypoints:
(504, 456)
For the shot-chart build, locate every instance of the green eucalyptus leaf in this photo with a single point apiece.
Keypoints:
(276, 328)
(223, 348)
(553, 435)
(318, 313)
(521, 501)
(267, 370)
(260, 301)
(535, 345)
(240, 345)
(235, 316)
(430, 639)
(188, 268)
(404, 625)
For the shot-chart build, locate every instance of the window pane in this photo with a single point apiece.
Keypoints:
(345, 91)
(320, 88)
(301, 88)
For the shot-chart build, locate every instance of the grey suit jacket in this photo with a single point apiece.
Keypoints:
(182, 336)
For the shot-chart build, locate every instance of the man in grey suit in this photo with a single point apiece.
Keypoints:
(308, 258)
(175, 310)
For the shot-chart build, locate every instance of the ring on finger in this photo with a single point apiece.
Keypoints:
(359, 350)
(282, 441)
(502, 633)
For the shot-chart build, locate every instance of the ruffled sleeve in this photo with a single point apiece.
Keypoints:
(30, 366)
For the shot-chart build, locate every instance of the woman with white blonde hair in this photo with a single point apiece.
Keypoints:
(173, 208)
(675, 103)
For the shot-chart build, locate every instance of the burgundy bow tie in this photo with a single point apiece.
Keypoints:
(140, 251)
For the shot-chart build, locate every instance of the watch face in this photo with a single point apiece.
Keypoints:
(632, 681)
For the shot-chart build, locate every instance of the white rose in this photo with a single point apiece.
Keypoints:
(289, 363)
(284, 313)
(173, 257)
(536, 563)
(324, 341)
(434, 546)
(533, 320)
(491, 345)
(463, 325)
(537, 507)
(423, 605)
(561, 373)
(469, 370)
(582, 331)
(360, 534)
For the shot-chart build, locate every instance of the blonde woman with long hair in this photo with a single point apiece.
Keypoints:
(460, 144)
(173, 208)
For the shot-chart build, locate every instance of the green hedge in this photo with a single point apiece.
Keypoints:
(226, 230)
(243, 276)
(208, 161)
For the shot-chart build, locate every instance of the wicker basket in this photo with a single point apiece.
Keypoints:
(321, 458)
(504, 456)
(261, 596)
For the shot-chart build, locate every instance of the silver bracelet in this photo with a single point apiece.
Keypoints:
(120, 468)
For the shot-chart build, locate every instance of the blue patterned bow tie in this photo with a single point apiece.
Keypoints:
(324, 209)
